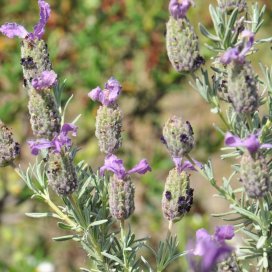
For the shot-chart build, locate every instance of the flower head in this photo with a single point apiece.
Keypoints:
(115, 165)
(212, 248)
(58, 141)
(109, 95)
(12, 30)
(178, 9)
(238, 53)
(45, 80)
(251, 143)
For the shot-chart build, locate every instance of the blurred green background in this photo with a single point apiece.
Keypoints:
(89, 41)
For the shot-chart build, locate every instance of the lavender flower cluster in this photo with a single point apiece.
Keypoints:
(245, 135)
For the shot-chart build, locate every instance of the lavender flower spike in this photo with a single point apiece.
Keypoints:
(115, 165)
(59, 141)
(212, 248)
(236, 54)
(12, 30)
(109, 95)
(252, 142)
(45, 80)
(179, 9)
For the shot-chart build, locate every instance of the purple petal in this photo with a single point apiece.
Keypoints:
(224, 232)
(96, 94)
(189, 166)
(268, 146)
(69, 127)
(252, 143)
(45, 80)
(233, 141)
(112, 91)
(230, 55)
(115, 165)
(141, 168)
(44, 16)
(12, 30)
(38, 145)
(202, 235)
(178, 10)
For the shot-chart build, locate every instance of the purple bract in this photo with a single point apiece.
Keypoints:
(45, 80)
(109, 95)
(12, 30)
(252, 142)
(186, 165)
(212, 248)
(115, 165)
(178, 9)
(237, 54)
(57, 143)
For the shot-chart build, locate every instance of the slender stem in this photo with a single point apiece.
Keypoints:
(223, 119)
(61, 214)
(249, 122)
(199, 170)
(123, 238)
(169, 231)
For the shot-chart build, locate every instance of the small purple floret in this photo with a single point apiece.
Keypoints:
(236, 54)
(59, 141)
(114, 164)
(252, 143)
(178, 9)
(212, 248)
(12, 30)
(168, 195)
(45, 80)
(186, 165)
(109, 95)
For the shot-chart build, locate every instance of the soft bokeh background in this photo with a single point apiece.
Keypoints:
(89, 41)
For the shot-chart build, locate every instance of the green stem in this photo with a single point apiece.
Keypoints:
(123, 238)
(249, 122)
(223, 119)
(169, 231)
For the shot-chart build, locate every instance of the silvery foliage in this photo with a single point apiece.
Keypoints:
(251, 217)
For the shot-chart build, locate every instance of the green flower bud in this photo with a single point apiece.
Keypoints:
(35, 59)
(121, 197)
(61, 173)
(242, 87)
(230, 264)
(44, 114)
(255, 175)
(108, 128)
(9, 149)
(229, 5)
(182, 45)
(177, 196)
(178, 137)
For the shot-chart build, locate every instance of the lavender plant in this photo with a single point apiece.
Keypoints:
(95, 206)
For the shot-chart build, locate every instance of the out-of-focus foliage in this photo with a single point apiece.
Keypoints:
(89, 41)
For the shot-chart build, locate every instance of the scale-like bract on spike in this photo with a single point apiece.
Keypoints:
(121, 197)
(35, 59)
(109, 128)
(182, 45)
(229, 5)
(254, 174)
(9, 149)
(44, 115)
(230, 264)
(61, 173)
(242, 87)
(177, 196)
(178, 137)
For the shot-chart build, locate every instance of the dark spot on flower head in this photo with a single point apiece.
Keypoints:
(168, 195)
(199, 61)
(190, 191)
(163, 140)
(188, 208)
(25, 82)
(181, 200)
(181, 209)
(191, 131)
(184, 138)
